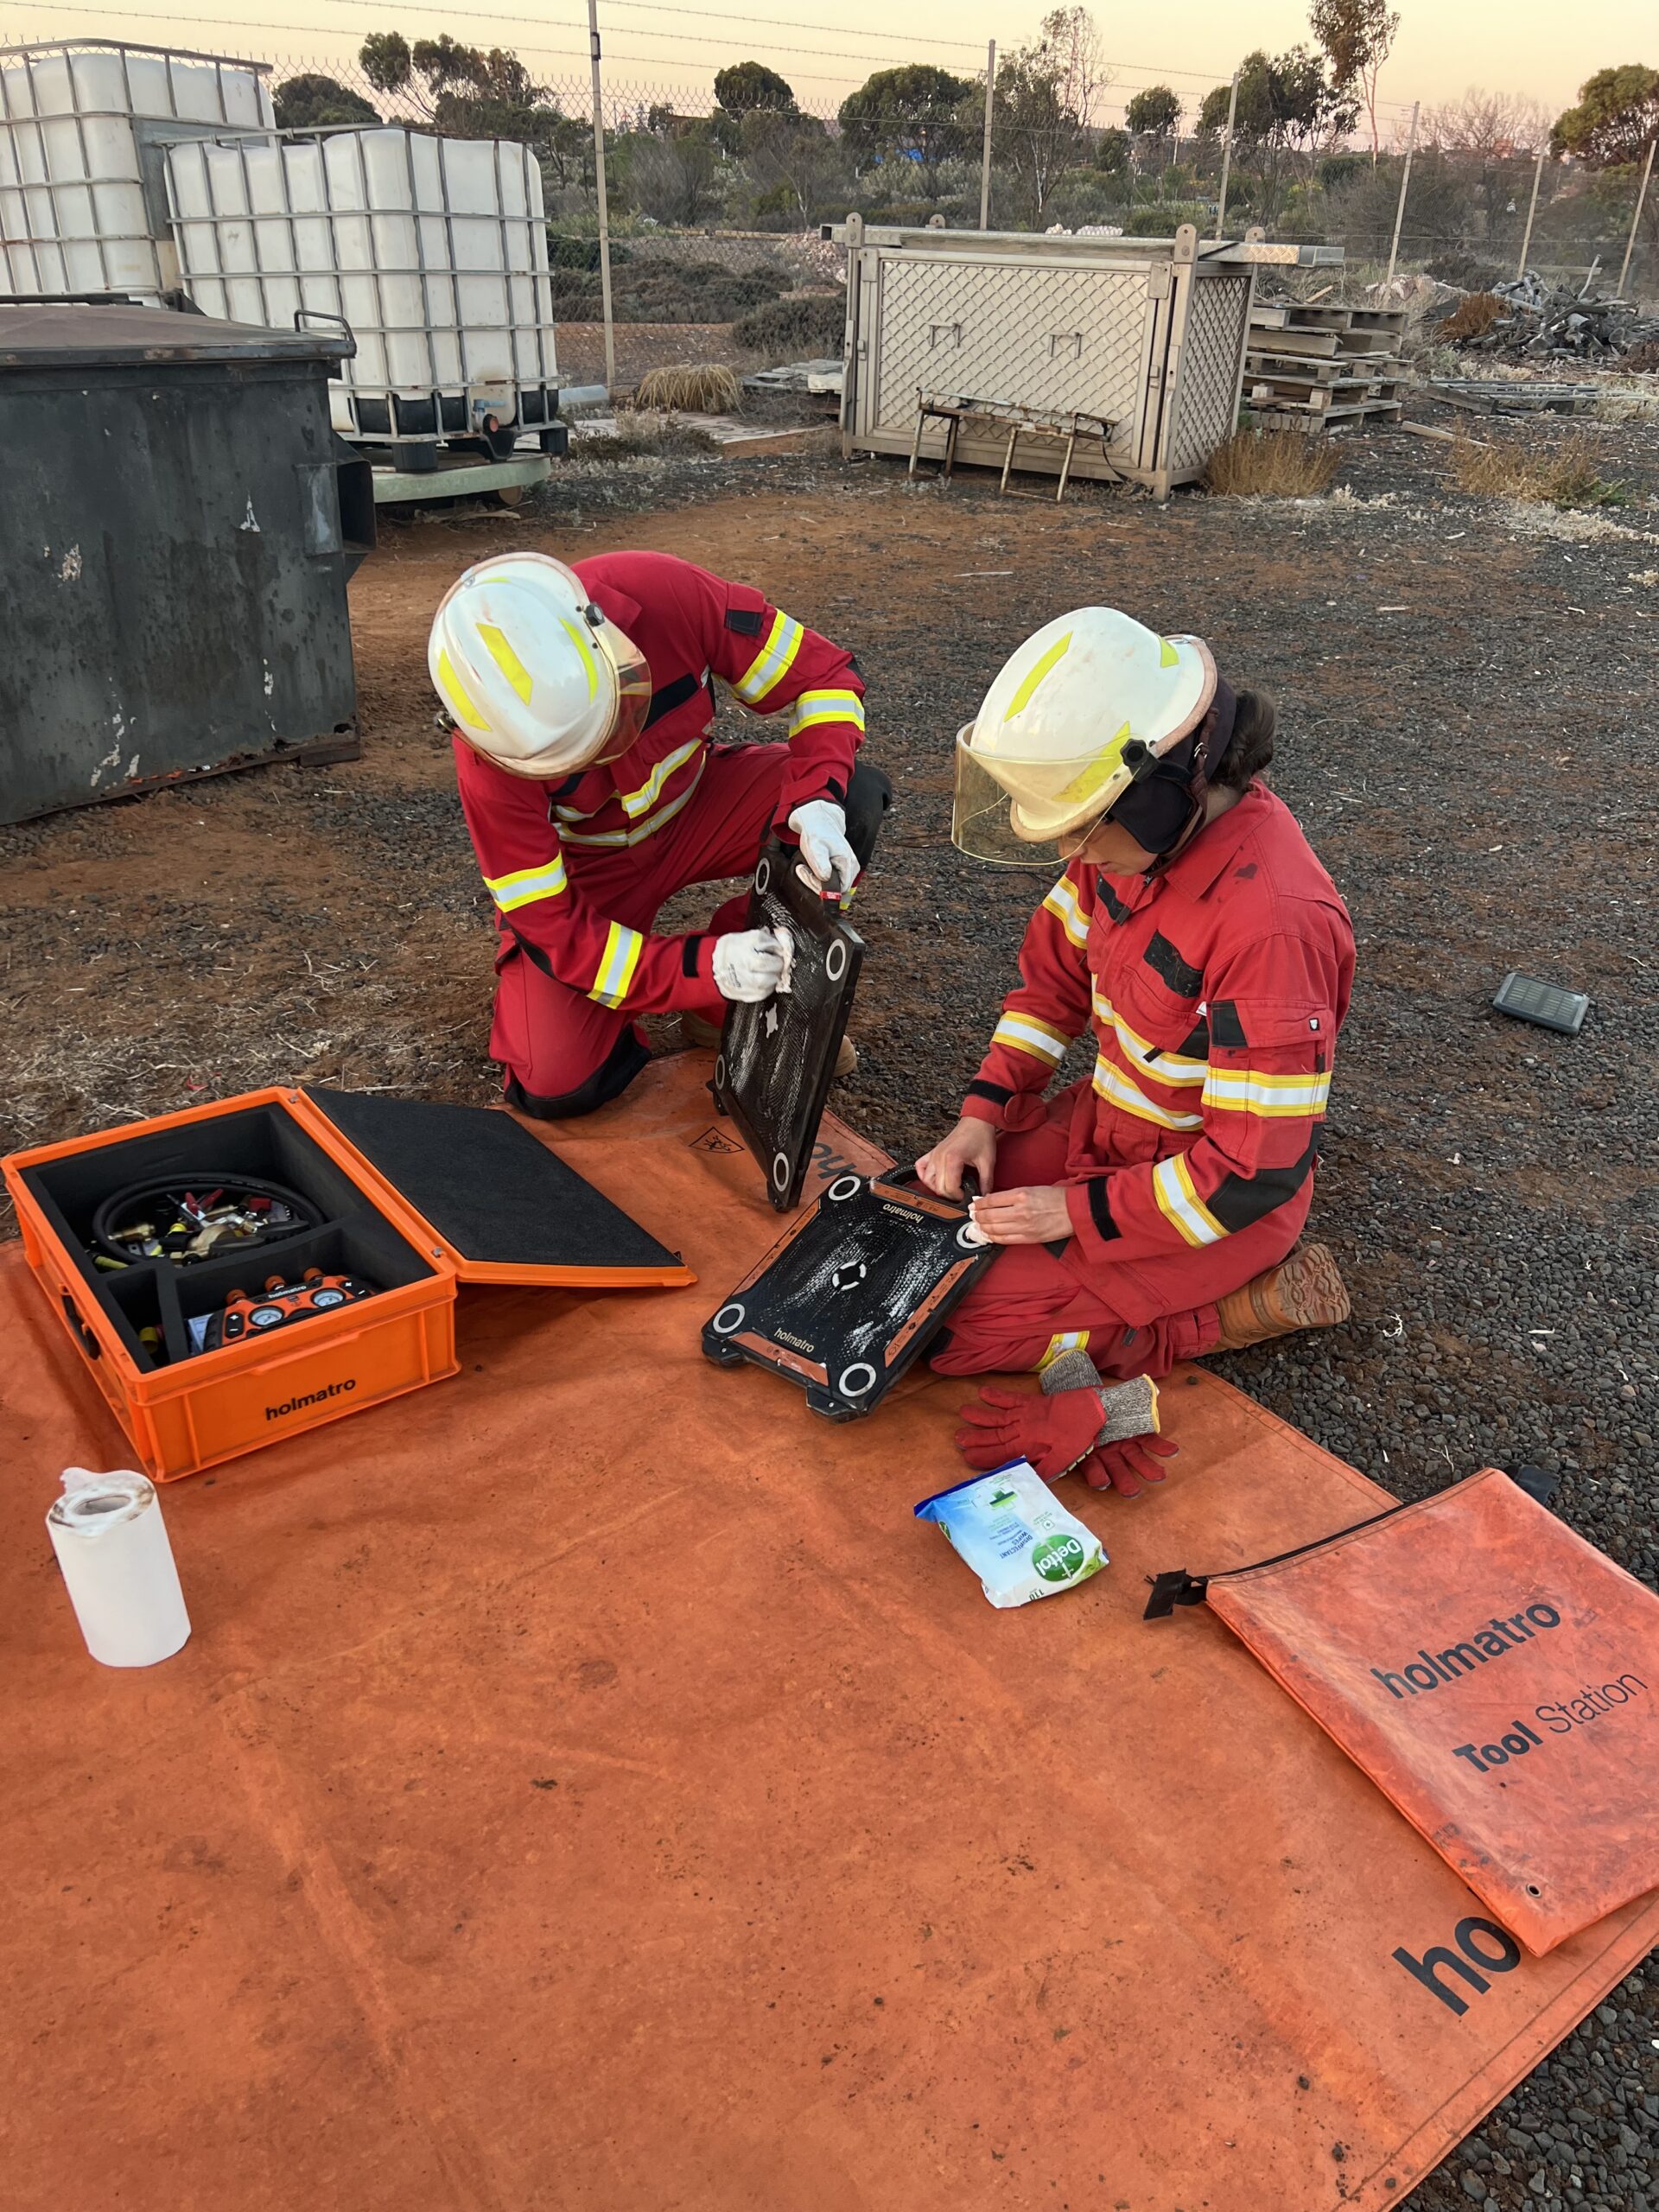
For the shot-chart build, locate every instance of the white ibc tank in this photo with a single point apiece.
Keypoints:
(73, 214)
(432, 250)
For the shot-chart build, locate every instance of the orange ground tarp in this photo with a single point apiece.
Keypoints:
(589, 1786)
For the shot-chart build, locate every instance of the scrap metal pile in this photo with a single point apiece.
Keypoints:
(1558, 324)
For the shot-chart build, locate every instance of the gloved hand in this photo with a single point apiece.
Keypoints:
(1125, 1467)
(831, 863)
(751, 965)
(1052, 1433)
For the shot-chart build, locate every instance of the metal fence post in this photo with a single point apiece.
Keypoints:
(985, 152)
(1532, 209)
(1641, 197)
(1227, 157)
(604, 211)
(1405, 186)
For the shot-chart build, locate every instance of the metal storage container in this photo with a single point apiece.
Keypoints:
(83, 124)
(178, 525)
(432, 250)
(1148, 334)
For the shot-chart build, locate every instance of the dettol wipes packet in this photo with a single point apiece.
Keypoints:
(1015, 1534)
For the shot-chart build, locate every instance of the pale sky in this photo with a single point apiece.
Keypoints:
(1533, 46)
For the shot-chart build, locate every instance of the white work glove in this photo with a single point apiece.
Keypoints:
(751, 965)
(831, 864)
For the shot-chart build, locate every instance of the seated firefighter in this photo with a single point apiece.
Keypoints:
(1150, 1211)
(582, 699)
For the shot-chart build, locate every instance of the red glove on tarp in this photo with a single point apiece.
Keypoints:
(1127, 1466)
(1052, 1433)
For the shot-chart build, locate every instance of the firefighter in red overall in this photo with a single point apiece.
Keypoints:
(1151, 1211)
(582, 699)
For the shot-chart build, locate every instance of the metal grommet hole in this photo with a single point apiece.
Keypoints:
(729, 1318)
(720, 1072)
(781, 1171)
(763, 877)
(844, 1187)
(834, 960)
(857, 1379)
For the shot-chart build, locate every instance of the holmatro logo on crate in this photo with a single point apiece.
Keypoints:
(316, 1398)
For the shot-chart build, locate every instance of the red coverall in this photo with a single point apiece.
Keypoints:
(1215, 994)
(578, 869)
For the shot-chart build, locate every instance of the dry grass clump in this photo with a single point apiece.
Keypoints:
(691, 387)
(1273, 464)
(1570, 476)
(1471, 318)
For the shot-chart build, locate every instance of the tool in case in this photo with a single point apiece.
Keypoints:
(403, 1199)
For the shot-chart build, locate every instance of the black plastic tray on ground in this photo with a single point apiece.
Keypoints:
(778, 1059)
(848, 1298)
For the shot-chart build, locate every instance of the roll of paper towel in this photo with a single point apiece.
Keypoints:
(112, 1547)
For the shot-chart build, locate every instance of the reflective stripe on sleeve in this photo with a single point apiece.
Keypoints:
(1112, 1082)
(1062, 903)
(1025, 1033)
(621, 957)
(815, 708)
(1284, 1097)
(773, 661)
(1172, 1185)
(526, 884)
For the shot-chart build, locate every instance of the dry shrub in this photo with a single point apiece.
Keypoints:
(693, 387)
(1471, 318)
(1569, 477)
(1274, 465)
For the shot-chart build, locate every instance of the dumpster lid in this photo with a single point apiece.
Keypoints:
(71, 333)
(503, 1208)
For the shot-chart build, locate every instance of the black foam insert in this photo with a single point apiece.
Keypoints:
(486, 1186)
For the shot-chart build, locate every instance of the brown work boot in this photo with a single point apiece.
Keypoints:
(697, 1031)
(1304, 1291)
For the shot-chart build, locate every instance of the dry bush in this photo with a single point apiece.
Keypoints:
(1569, 477)
(692, 387)
(1274, 465)
(1471, 318)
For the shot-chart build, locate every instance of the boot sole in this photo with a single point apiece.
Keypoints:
(1310, 1290)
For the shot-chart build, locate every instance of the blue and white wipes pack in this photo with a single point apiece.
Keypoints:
(1015, 1534)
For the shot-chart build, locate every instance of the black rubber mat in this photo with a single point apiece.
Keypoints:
(847, 1299)
(488, 1188)
(778, 1059)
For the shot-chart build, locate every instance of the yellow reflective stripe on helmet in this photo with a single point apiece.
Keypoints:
(1284, 1097)
(1172, 1185)
(1162, 1066)
(456, 696)
(1062, 903)
(622, 950)
(1167, 656)
(1056, 653)
(773, 661)
(580, 639)
(815, 707)
(615, 840)
(640, 802)
(1112, 1082)
(495, 644)
(1024, 1032)
(1067, 1340)
(524, 884)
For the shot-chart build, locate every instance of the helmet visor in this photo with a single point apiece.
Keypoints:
(1054, 803)
(633, 677)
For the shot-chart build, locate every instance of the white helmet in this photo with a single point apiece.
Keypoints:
(535, 676)
(1082, 710)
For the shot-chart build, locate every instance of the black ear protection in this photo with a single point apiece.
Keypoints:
(1167, 795)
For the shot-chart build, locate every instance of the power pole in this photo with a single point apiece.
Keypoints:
(1227, 159)
(1532, 209)
(985, 152)
(1405, 186)
(604, 211)
(1629, 242)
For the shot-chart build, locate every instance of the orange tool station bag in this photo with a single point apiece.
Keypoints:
(404, 1201)
(1494, 1674)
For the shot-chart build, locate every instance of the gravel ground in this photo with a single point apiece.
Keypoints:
(1465, 695)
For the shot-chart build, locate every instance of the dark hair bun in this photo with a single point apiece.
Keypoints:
(1251, 747)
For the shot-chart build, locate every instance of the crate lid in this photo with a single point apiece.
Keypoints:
(500, 1205)
(79, 333)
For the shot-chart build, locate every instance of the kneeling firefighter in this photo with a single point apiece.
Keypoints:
(582, 699)
(1151, 1211)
